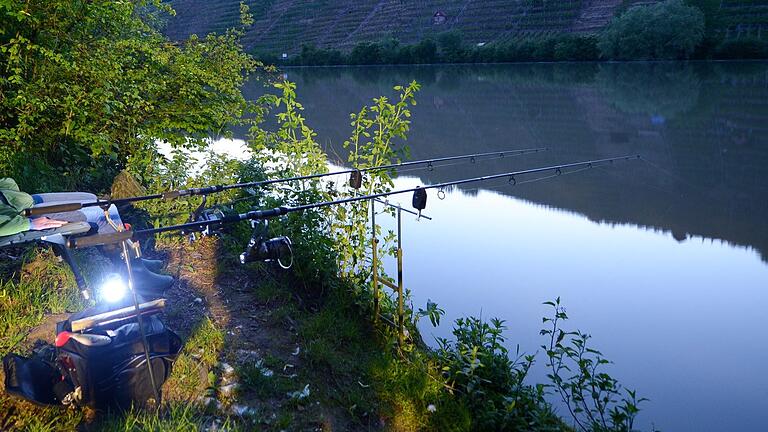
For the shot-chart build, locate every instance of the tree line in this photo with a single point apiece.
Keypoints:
(670, 30)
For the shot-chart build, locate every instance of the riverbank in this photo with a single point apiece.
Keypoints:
(259, 353)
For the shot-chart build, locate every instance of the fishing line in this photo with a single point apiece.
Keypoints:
(520, 183)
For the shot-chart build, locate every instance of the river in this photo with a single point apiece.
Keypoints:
(664, 261)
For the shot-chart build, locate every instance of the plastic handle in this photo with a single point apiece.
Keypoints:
(98, 240)
(55, 208)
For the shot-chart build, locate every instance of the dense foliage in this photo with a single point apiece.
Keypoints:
(663, 31)
(85, 84)
(450, 47)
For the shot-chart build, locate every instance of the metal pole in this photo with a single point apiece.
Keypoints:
(400, 300)
(144, 342)
(374, 265)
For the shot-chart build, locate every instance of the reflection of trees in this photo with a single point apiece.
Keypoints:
(666, 89)
(452, 77)
(708, 164)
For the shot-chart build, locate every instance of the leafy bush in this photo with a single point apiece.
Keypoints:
(374, 142)
(478, 369)
(596, 400)
(666, 30)
(86, 84)
(452, 48)
(576, 48)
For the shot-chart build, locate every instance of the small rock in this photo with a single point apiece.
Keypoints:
(198, 300)
(299, 395)
(210, 402)
(226, 369)
(240, 410)
(229, 389)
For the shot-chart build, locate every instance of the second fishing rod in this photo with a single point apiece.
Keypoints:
(355, 177)
(419, 202)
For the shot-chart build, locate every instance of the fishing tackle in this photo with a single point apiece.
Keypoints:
(355, 179)
(101, 239)
(261, 248)
(419, 201)
(58, 208)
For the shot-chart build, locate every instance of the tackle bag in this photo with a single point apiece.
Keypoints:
(104, 367)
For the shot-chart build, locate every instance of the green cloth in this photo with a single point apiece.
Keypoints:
(11, 222)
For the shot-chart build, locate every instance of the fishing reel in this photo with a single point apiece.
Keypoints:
(207, 215)
(261, 248)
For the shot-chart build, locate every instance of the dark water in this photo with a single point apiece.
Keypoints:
(664, 261)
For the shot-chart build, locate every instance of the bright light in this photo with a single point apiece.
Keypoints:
(113, 289)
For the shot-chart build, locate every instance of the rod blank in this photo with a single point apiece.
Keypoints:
(279, 211)
(218, 188)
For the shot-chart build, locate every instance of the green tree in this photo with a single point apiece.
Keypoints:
(84, 84)
(667, 30)
(452, 46)
(714, 26)
(424, 51)
(365, 53)
(576, 48)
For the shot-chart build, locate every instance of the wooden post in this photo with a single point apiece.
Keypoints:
(374, 264)
(400, 300)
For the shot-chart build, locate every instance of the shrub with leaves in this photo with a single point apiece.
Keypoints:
(377, 134)
(595, 400)
(85, 84)
(478, 368)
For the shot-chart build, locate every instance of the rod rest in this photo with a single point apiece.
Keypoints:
(99, 239)
(53, 208)
(70, 229)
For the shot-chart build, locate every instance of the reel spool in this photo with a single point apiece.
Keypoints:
(260, 248)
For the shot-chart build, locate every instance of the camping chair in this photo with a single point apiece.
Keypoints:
(57, 238)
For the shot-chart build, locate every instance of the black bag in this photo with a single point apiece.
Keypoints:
(33, 378)
(109, 374)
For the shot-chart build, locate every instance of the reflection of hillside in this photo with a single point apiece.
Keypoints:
(705, 137)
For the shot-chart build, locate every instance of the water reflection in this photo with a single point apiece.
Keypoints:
(663, 260)
(700, 127)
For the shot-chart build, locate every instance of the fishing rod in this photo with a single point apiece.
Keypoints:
(419, 202)
(355, 182)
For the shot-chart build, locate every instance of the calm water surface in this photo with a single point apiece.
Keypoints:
(664, 261)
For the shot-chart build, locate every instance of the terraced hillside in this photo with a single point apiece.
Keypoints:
(284, 25)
